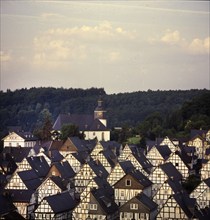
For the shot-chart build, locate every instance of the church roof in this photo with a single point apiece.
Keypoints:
(85, 122)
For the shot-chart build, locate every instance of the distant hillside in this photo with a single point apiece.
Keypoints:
(23, 107)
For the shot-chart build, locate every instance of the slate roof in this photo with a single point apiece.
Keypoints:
(141, 158)
(81, 156)
(59, 182)
(146, 204)
(83, 145)
(138, 176)
(17, 153)
(105, 200)
(186, 203)
(54, 156)
(102, 183)
(164, 151)
(141, 178)
(175, 186)
(98, 168)
(111, 145)
(30, 179)
(20, 195)
(65, 170)
(83, 121)
(39, 164)
(194, 133)
(207, 182)
(127, 166)
(62, 202)
(170, 170)
(146, 201)
(111, 157)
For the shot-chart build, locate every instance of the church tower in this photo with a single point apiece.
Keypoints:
(99, 112)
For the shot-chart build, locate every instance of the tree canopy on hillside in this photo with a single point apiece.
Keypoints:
(153, 112)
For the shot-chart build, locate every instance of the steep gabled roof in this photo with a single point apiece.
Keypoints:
(62, 202)
(186, 203)
(138, 177)
(98, 169)
(145, 204)
(170, 170)
(65, 169)
(39, 164)
(127, 166)
(17, 153)
(54, 156)
(30, 179)
(164, 151)
(77, 119)
(20, 195)
(85, 122)
(207, 182)
(105, 200)
(111, 157)
(194, 133)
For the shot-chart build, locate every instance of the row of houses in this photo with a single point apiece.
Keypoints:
(92, 179)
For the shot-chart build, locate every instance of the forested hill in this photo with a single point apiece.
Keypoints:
(23, 107)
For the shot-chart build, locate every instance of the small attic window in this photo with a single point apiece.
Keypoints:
(128, 182)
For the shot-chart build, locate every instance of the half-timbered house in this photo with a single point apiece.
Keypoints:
(58, 207)
(89, 170)
(178, 206)
(176, 160)
(158, 154)
(130, 185)
(120, 170)
(19, 139)
(50, 186)
(139, 207)
(205, 169)
(167, 141)
(202, 194)
(162, 173)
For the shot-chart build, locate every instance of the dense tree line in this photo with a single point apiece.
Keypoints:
(151, 113)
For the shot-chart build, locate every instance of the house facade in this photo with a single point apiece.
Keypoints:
(19, 139)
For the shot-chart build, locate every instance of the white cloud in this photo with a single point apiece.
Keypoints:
(174, 38)
(171, 37)
(199, 46)
(5, 56)
(58, 45)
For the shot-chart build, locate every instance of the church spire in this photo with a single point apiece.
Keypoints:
(99, 112)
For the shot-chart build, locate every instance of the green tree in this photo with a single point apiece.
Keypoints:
(44, 125)
(72, 130)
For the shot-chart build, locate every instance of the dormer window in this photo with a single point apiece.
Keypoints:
(134, 206)
(128, 182)
(93, 206)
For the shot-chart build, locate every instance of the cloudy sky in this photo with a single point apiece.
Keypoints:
(122, 46)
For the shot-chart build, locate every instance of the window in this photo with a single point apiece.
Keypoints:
(93, 206)
(128, 182)
(122, 193)
(176, 164)
(134, 206)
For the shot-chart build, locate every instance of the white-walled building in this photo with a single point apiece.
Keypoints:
(93, 126)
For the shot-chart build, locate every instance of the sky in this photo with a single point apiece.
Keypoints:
(121, 46)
